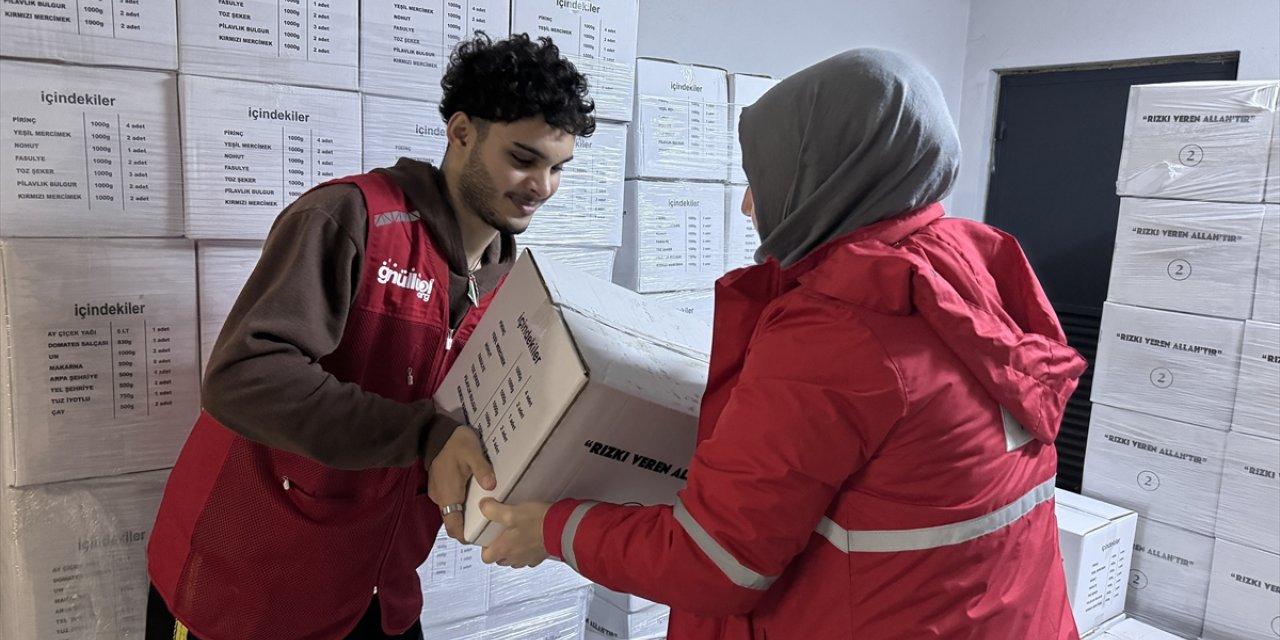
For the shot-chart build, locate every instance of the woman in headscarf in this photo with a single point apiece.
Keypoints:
(875, 454)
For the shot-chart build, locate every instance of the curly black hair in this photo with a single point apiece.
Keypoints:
(516, 78)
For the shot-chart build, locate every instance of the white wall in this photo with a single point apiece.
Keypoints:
(1005, 34)
(778, 38)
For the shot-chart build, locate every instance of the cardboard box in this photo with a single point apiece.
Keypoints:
(1198, 257)
(396, 128)
(744, 90)
(626, 602)
(599, 37)
(681, 130)
(455, 583)
(88, 152)
(1257, 408)
(740, 235)
(558, 616)
(587, 209)
(607, 621)
(593, 261)
(1096, 541)
(405, 44)
(1169, 581)
(1249, 507)
(1168, 364)
(222, 269)
(309, 44)
(1266, 294)
(1198, 141)
(579, 389)
(1129, 629)
(250, 149)
(673, 236)
(73, 558)
(141, 33)
(101, 374)
(700, 303)
(1166, 470)
(1244, 594)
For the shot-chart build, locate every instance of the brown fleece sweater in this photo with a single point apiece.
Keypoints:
(263, 379)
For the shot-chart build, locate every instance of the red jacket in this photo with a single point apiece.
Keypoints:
(256, 543)
(862, 468)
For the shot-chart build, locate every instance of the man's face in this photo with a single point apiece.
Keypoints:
(512, 168)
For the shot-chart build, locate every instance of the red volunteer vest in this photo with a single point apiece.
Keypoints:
(256, 543)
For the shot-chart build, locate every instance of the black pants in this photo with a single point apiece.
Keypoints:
(162, 626)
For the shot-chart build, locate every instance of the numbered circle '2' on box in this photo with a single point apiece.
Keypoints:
(580, 389)
(1168, 364)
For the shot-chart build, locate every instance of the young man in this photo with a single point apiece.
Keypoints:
(302, 502)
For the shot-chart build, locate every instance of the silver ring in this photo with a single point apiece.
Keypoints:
(452, 508)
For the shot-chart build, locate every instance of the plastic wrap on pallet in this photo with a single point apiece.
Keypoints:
(1169, 364)
(681, 130)
(73, 557)
(673, 236)
(599, 37)
(144, 34)
(250, 149)
(699, 303)
(1166, 470)
(1266, 293)
(307, 44)
(744, 90)
(222, 269)
(1169, 580)
(587, 208)
(1257, 408)
(395, 128)
(1273, 163)
(561, 616)
(1198, 257)
(1129, 629)
(594, 261)
(405, 44)
(740, 236)
(89, 152)
(1250, 491)
(512, 586)
(455, 583)
(1198, 141)
(101, 368)
(605, 620)
(1244, 594)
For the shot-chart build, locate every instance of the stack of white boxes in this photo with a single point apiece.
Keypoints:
(100, 375)
(741, 239)
(1187, 381)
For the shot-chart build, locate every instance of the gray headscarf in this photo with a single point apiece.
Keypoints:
(847, 142)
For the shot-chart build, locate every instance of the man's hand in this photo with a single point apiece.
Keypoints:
(520, 544)
(449, 473)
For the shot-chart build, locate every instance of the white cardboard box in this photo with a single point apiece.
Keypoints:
(405, 44)
(744, 90)
(599, 37)
(1169, 581)
(88, 152)
(1168, 364)
(1166, 470)
(1257, 408)
(310, 43)
(101, 375)
(455, 582)
(1244, 594)
(73, 557)
(1198, 141)
(1130, 629)
(607, 621)
(587, 209)
(1198, 257)
(396, 128)
(673, 236)
(250, 149)
(1249, 508)
(222, 269)
(681, 128)
(741, 237)
(1266, 296)
(593, 261)
(1096, 541)
(579, 389)
(138, 33)
(699, 303)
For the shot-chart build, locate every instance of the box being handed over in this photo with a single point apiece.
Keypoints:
(579, 388)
